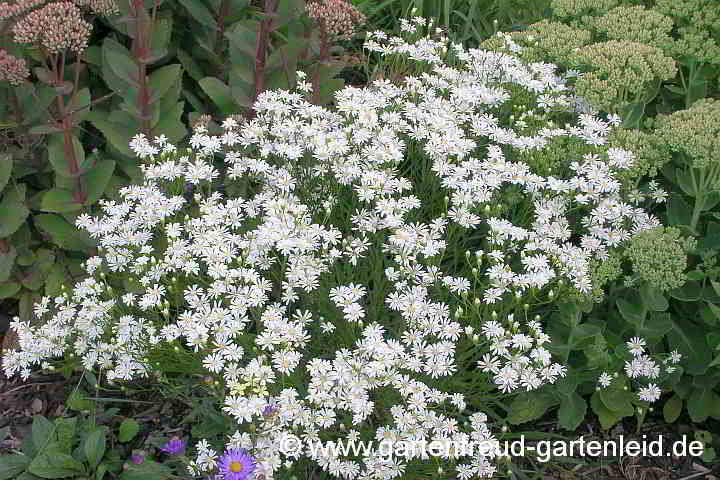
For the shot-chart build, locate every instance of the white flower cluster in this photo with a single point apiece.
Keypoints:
(211, 274)
(643, 367)
(518, 359)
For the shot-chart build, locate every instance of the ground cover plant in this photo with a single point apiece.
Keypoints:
(470, 242)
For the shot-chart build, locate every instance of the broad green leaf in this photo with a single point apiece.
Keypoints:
(171, 125)
(672, 409)
(128, 429)
(700, 404)
(65, 428)
(81, 105)
(161, 32)
(690, 341)
(62, 233)
(97, 179)
(53, 463)
(12, 465)
(78, 401)
(190, 65)
(690, 292)
(685, 180)
(162, 79)
(8, 289)
(34, 277)
(7, 261)
(653, 298)
(59, 200)
(526, 407)
(572, 411)
(655, 326)
(148, 470)
(608, 417)
(616, 398)
(220, 94)
(200, 12)
(243, 42)
(631, 311)
(43, 432)
(12, 215)
(6, 165)
(94, 447)
(678, 211)
(120, 62)
(61, 163)
(115, 134)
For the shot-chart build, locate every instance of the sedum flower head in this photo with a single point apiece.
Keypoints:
(44, 26)
(337, 18)
(581, 9)
(620, 71)
(540, 42)
(694, 131)
(698, 26)
(659, 257)
(636, 24)
(12, 69)
(651, 152)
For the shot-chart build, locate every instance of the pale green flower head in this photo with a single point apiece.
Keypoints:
(651, 152)
(694, 132)
(659, 257)
(581, 9)
(620, 72)
(698, 28)
(636, 24)
(541, 42)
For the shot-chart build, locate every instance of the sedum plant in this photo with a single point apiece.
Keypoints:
(378, 309)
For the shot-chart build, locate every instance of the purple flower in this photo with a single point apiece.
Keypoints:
(137, 458)
(236, 465)
(270, 410)
(174, 447)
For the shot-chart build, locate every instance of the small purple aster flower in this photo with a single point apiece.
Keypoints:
(174, 447)
(236, 465)
(137, 458)
(270, 410)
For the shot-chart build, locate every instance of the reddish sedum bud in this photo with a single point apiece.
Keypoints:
(9, 10)
(12, 69)
(337, 18)
(56, 26)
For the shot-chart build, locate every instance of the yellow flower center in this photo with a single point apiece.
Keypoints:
(236, 467)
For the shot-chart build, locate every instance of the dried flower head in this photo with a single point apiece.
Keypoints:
(56, 26)
(337, 18)
(12, 69)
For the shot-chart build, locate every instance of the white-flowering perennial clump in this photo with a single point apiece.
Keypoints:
(644, 369)
(199, 267)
